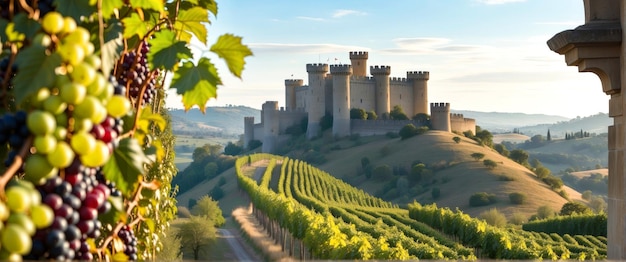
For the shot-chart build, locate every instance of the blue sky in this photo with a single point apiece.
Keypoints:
(483, 55)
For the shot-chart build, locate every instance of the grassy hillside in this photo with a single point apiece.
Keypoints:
(460, 175)
(579, 154)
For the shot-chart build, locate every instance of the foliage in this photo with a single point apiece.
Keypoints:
(422, 118)
(545, 212)
(407, 131)
(371, 115)
(326, 121)
(493, 217)
(482, 199)
(208, 208)
(477, 156)
(490, 163)
(382, 172)
(576, 224)
(232, 149)
(484, 136)
(397, 113)
(208, 163)
(517, 198)
(253, 144)
(456, 139)
(518, 218)
(553, 182)
(520, 156)
(196, 234)
(570, 208)
(501, 149)
(358, 113)
(217, 192)
(171, 249)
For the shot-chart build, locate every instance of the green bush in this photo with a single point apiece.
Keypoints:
(408, 131)
(494, 217)
(482, 199)
(517, 198)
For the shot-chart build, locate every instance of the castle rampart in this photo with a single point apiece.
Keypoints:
(420, 90)
(359, 63)
(290, 92)
(418, 75)
(248, 127)
(316, 102)
(382, 96)
(380, 70)
(341, 99)
(440, 116)
(270, 125)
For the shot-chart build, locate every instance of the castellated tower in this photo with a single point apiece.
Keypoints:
(341, 99)
(420, 90)
(270, 126)
(381, 76)
(248, 131)
(440, 116)
(316, 98)
(290, 93)
(359, 63)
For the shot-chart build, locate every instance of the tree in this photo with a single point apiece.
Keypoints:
(371, 115)
(493, 217)
(570, 208)
(232, 149)
(517, 198)
(254, 144)
(422, 118)
(548, 136)
(208, 208)
(545, 212)
(482, 199)
(382, 172)
(407, 131)
(197, 234)
(170, 246)
(358, 113)
(210, 170)
(397, 113)
(542, 172)
(486, 138)
(477, 156)
(519, 156)
(490, 164)
(501, 149)
(456, 139)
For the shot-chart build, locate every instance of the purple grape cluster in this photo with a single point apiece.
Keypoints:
(77, 200)
(129, 239)
(135, 73)
(44, 6)
(13, 130)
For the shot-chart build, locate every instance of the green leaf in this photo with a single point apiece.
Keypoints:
(109, 6)
(75, 8)
(209, 5)
(134, 25)
(113, 45)
(192, 21)
(3, 29)
(148, 4)
(126, 165)
(148, 116)
(197, 84)
(230, 48)
(36, 71)
(23, 24)
(117, 212)
(166, 51)
(12, 34)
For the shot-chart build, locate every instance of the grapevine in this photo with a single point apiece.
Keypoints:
(84, 134)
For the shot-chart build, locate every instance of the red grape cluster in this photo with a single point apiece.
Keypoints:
(127, 236)
(135, 73)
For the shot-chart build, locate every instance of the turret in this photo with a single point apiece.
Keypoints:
(359, 63)
(420, 90)
(440, 116)
(248, 131)
(381, 76)
(270, 126)
(341, 99)
(316, 98)
(290, 93)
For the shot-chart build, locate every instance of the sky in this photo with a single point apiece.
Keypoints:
(482, 55)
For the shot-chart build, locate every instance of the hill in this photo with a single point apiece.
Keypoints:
(593, 124)
(217, 121)
(498, 122)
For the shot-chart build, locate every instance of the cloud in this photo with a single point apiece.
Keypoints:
(431, 45)
(344, 12)
(258, 48)
(498, 2)
(318, 19)
(560, 23)
(507, 77)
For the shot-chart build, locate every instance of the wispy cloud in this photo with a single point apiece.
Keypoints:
(302, 48)
(344, 12)
(318, 19)
(567, 23)
(498, 2)
(431, 45)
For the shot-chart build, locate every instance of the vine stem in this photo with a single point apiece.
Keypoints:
(15, 166)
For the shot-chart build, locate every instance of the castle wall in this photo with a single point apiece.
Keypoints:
(401, 93)
(341, 99)
(440, 116)
(460, 124)
(328, 89)
(248, 130)
(270, 126)
(316, 101)
(419, 80)
(362, 93)
(302, 97)
(379, 127)
(287, 119)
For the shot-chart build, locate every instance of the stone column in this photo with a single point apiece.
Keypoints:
(596, 47)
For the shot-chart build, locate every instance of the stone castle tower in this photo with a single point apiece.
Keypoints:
(336, 89)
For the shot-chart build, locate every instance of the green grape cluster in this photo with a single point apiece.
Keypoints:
(22, 215)
(66, 118)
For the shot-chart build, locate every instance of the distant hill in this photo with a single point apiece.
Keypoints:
(218, 121)
(593, 124)
(505, 122)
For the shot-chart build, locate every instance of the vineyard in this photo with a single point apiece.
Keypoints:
(314, 215)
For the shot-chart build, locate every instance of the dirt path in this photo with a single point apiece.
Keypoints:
(240, 249)
(259, 238)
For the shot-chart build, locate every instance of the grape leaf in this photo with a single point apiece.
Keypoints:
(36, 70)
(75, 8)
(25, 25)
(134, 25)
(230, 48)
(197, 84)
(126, 165)
(117, 212)
(109, 6)
(209, 5)
(113, 45)
(148, 4)
(192, 21)
(166, 51)
(3, 28)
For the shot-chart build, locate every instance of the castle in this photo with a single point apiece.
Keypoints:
(347, 87)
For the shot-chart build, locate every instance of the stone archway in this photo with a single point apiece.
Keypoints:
(597, 47)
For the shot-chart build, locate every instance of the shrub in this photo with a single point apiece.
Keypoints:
(254, 144)
(216, 193)
(371, 115)
(382, 172)
(456, 139)
(490, 163)
(570, 208)
(517, 219)
(477, 156)
(517, 198)
(192, 202)
(494, 217)
(545, 212)
(397, 113)
(385, 150)
(482, 199)
(221, 182)
(407, 131)
(358, 113)
(553, 182)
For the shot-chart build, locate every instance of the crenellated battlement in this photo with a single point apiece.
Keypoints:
(270, 105)
(380, 70)
(248, 120)
(294, 82)
(418, 75)
(439, 107)
(456, 116)
(341, 69)
(398, 79)
(317, 68)
(359, 55)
